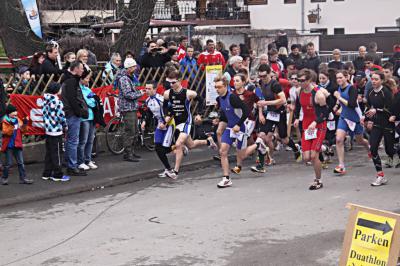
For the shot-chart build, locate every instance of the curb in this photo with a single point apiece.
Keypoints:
(99, 184)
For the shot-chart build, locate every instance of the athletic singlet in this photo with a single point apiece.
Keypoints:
(155, 104)
(180, 106)
(232, 114)
(307, 105)
(349, 113)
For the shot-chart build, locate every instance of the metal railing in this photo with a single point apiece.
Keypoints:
(347, 56)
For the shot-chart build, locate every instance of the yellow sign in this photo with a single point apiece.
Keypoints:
(211, 93)
(371, 240)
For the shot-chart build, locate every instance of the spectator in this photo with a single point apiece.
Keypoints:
(359, 62)
(276, 64)
(349, 67)
(25, 84)
(82, 56)
(263, 60)
(336, 63)
(360, 80)
(36, 64)
(50, 64)
(235, 63)
(296, 56)
(234, 49)
(112, 67)
(128, 105)
(196, 55)
(92, 58)
(88, 127)
(129, 54)
(312, 60)
(210, 56)
(395, 60)
(3, 99)
(55, 124)
(190, 63)
(282, 40)
(13, 128)
(154, 57)
(283, 55)
(221, 48)
(372, 51)
(290, 68)
(246, 61)
(68, 59)
(75, 109)
(388, 70)
(183, 43)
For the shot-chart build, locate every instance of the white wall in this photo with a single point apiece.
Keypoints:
(356, 16)
(72, 16)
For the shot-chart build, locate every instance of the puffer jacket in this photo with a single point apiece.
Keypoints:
(12, 133)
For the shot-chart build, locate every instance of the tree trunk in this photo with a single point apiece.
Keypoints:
(15, 32)
(136, 23)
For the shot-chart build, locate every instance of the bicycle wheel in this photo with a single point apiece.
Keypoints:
(115, 135)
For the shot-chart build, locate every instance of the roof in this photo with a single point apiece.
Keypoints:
(154, 23)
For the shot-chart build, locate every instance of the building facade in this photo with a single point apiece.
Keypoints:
(335, 16)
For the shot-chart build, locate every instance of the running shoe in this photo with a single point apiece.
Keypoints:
(269, 161)
(258, 169)
(324, 165)
(236, 169)
(83, 167)
(316, 185)
(64, 178)
(92, 165)
(217, 157)
(380, 180)
(171, 174)
(339, 170)
(262, 148)
(212, 145)
(225, 182)
(46, 177)
(163, 173)
(298, 157)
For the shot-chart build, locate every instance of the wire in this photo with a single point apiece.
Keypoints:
(74, 235)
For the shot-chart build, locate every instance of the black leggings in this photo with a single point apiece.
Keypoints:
(162, 155)
(375, 138)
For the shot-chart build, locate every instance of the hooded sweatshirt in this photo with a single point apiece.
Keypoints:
(53, 115)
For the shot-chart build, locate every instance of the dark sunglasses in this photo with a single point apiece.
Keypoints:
(262, 76)
(301, 80)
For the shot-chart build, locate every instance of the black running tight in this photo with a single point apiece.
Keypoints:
(162, 155)
(374, 140)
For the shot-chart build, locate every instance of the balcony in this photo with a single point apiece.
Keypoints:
(203, 13)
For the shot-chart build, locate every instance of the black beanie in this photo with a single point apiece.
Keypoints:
(53, 88)
(10, 109)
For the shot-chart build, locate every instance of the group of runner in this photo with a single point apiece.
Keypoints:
(255, 118)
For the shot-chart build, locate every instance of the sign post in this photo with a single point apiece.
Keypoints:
(372, 238)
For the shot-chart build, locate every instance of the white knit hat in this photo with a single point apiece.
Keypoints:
(129, 62)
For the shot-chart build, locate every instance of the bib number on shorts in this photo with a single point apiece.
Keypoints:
(351, 124)
(310, 134)
(331, 125)
(272, 116)
(239, 135)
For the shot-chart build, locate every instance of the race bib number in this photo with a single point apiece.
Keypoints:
(351, 124)
(310, 134)
(331, 125)
(239, 135)
(272, 116)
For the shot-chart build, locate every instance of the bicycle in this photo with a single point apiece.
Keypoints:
(115, 132)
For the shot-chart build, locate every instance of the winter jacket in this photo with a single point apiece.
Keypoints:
(110, 68)
(128, 95)
(312, 63)
(53, 115)
(13, 128)
(359, 63)
(50, 67)
(298, 60)
(72, 98)
(91, 103)
(2, 100)
(191, 65)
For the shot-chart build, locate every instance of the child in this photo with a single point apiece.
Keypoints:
(55, 123)
(13, 128)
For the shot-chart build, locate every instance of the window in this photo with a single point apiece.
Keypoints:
(256, 2)
(338, 0)
(323, 31)
(317, 1)
(289, 1)
(338, 30)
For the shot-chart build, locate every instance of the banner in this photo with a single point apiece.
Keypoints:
(31, 107)
(211, 93)
(32, 14)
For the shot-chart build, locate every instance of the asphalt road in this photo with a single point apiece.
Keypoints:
(264, 219)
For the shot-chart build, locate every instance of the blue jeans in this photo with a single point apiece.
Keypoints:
(86, 137)
(17, 153)
(71, 147)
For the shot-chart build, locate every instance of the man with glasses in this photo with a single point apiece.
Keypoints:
(177, 105)
(273, 115)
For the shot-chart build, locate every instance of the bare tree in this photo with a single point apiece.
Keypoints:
(136, 17)
(17, 37)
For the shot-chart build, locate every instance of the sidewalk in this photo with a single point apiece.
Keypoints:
(112, 171)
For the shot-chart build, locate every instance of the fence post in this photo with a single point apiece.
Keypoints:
(48, 83)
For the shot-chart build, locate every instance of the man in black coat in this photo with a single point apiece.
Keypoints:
(75, 108)
(50, 64)
(312, 60)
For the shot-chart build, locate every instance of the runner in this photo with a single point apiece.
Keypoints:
(234, 111)
(273, 101)
(177, 105)
(312, 101)
(349, 120)
(164, 132)
(380, 111)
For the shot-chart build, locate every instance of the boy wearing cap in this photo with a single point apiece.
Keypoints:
(128, 105)
(13, 128)
(54, 123)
